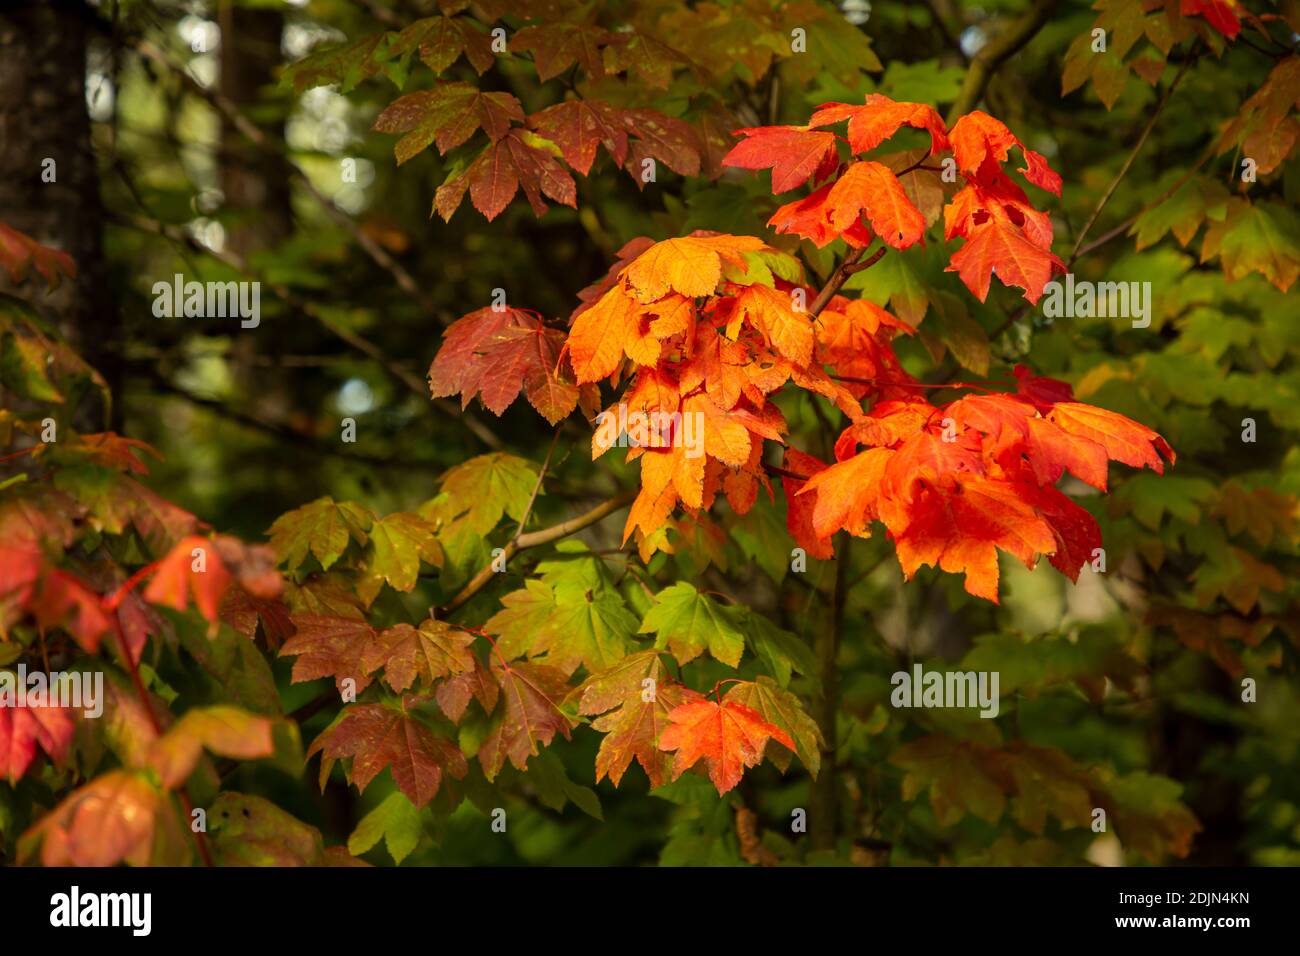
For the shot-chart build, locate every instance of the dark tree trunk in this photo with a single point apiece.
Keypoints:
(255, 180)
(43, 45)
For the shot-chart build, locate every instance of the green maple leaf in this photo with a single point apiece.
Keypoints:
(781, 652)
(321, 528)
(782, 708)
(399, 542)
(395, 821)
(688, 623)
(483, 489)
(570, 626)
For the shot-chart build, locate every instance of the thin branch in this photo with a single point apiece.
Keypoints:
(994, 53)
(537, 487)
(534, 539)
(1128, 223)
(1132, 156)
(361, 344)
(826, 647)
(254, 134)
(841, 275)
(283, 432)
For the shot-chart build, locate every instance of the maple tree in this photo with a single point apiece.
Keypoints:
(803, 346)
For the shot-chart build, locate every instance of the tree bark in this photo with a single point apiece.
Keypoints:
(43, 116)
(255, 180)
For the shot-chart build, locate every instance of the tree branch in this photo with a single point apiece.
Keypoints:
(824, 813)
(841, 275)
(1132, 156)
(256, 136)
(994, 53)
(534, 539)
(282, 292)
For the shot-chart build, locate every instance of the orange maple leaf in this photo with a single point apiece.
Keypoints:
(191, 568)
(729, 737)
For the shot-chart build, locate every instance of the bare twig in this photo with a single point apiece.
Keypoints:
(1128, 163)
(537, 487)
(534, 539)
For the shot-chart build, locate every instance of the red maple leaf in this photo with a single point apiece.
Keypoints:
(795, 154)
(375, 737)
(728, 737)
(23, 729)
(192, 568)
(495, 354)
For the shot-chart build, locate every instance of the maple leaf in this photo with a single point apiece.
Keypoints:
(191, 569)
(1220, 14)
(453, 693)
(557, 46)
(62, 600)
(979, 142)
(666, 139)
(782, 709)
(571, 626)
(252, 831)
(322, 528)
(435, 649)
(634, 51)
(578, 126)
(771, 312)
(1123, 439)
(531, 718)
(114, 451)
(376, 736)
(688, 623)
(690, 265)
(496, 354)
(20, 252)
(395, 821)
(520, 159)
(846, 493)
(488, 487)
(346, 65)
(996, 246)
(447, 116)
(959, 525)
(795, 154)
(635, 696)
(442, 40)
(243, 611)
(729, 737)
(800, 508)
(874, 189)
(1258, 237)
(330, 647)
(879, 119)
(23, 729)
(225, 731)
(598, 339)
(398, 543)
(110, 819)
